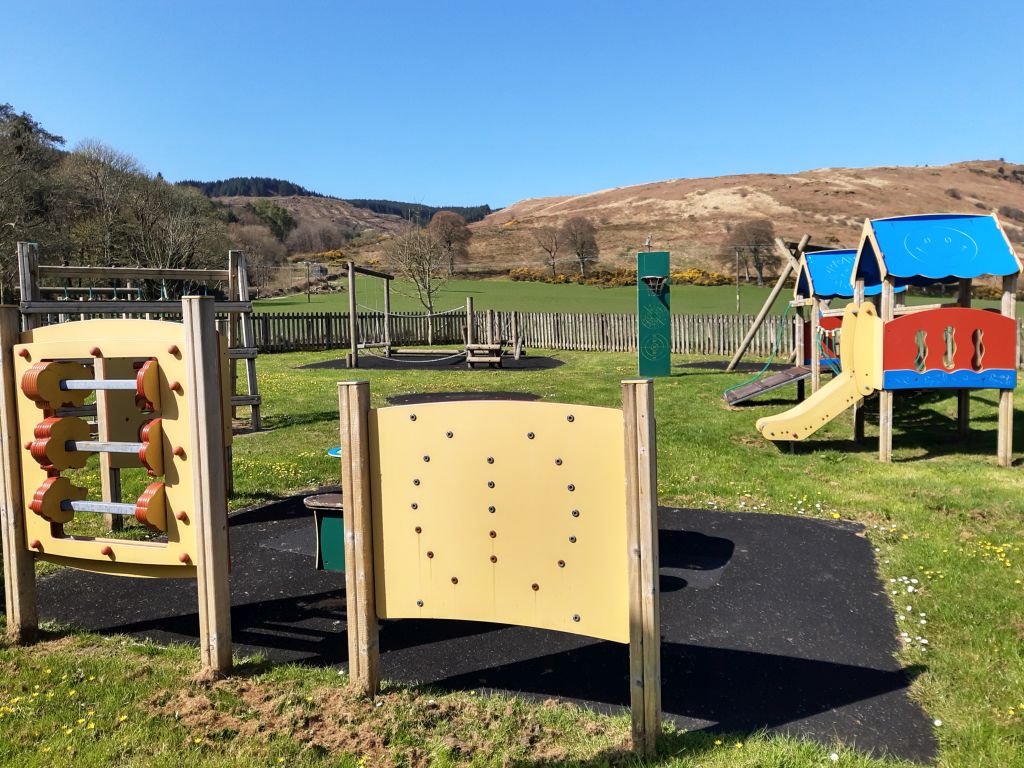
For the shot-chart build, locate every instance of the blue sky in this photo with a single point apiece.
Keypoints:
(452, 103)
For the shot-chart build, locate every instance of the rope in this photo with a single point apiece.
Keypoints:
(418, 362)
(771, 358)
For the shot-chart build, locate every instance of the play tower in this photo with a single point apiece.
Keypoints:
(920, 347)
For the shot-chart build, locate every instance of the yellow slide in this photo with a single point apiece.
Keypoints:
(860, 357)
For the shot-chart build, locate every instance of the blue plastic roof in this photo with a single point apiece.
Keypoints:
(934, 248)
(830, 276)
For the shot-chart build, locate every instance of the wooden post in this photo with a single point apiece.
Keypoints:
(229, 457)
(387, 318)
(1005, 450)
(19, 562)
(799, 321)
(815, 345)
(353, 319)
(963, 396)
(642, 541)
(110, 477)
(469, 320)
(490, 326)
(360, 608)
(792, 262)
(885, 396)
(858, 408)
(517, 347)
(206, 424)
(28, 280)
(233, 261)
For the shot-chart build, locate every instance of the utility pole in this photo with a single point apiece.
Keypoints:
(737, 252)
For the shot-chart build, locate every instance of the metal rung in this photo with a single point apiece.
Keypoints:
(103, 446)
(103, 507)
(246, 400)
(90, 384)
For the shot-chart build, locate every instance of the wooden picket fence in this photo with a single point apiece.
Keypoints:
(712, 335)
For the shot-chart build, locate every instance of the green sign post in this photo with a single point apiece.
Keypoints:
(652, 310)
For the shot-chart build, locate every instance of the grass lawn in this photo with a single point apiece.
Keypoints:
(943, 513)
(541, 297)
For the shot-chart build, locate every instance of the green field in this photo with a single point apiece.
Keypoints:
(942, 513)
(543, 297)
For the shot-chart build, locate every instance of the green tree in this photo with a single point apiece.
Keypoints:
(278, 219)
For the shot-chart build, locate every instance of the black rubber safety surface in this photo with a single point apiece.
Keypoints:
(768, 622)
(440, 360)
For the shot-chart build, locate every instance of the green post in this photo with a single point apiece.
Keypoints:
(654, 319)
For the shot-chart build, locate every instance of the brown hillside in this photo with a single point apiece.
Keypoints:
(330, 210)
(689, 217)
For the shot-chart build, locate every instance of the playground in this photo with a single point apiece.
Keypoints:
(809, 606)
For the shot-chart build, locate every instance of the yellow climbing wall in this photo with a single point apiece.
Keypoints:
(510, 512)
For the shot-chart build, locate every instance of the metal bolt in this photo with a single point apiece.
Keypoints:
(455, 579)
(414, 505)
(412, 417)
(570, 418)
(561, 563)
(571, 487)
(490, 459)
(575, 513)
(490, 483)
(572, 539)
(426, 458)
(418, 529)
(558, 462)
(449, 435)
(494, 558)
(492, 510)
(575, 617)
(535, 587)
(430, 555)
(419, 603)
(416, 481)
(493, 534)
(530, 435)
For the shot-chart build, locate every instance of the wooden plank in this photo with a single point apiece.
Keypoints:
(206, 424)
(642, 543)
(28, 279)
(353, 319)
(118, 307)
(134, 273)
(19, 562)
(360, 608)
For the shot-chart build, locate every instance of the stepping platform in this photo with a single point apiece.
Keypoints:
(753, 638)
(768, 384)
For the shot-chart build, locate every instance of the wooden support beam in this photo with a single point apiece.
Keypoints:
(120, 307)
(28, 280)
(857, 408)
(1008, 308)
(815, 346)
(370, 272)
(642, 543)
(353, 319)
(134, 273)
(360, 604)
(963, 396)
(206, 425)
(792, 262)
(885, 397)
(19, 562)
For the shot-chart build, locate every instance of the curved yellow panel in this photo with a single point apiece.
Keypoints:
(121, 343)
(511, 512)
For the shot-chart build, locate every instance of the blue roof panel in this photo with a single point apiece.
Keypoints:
(831, 274)
(919, 250)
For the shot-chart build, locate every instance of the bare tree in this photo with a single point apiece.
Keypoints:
(265, 255)
(550, 240)
(753, 239)
(421, 258)
(451, 231)
(581, 238)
